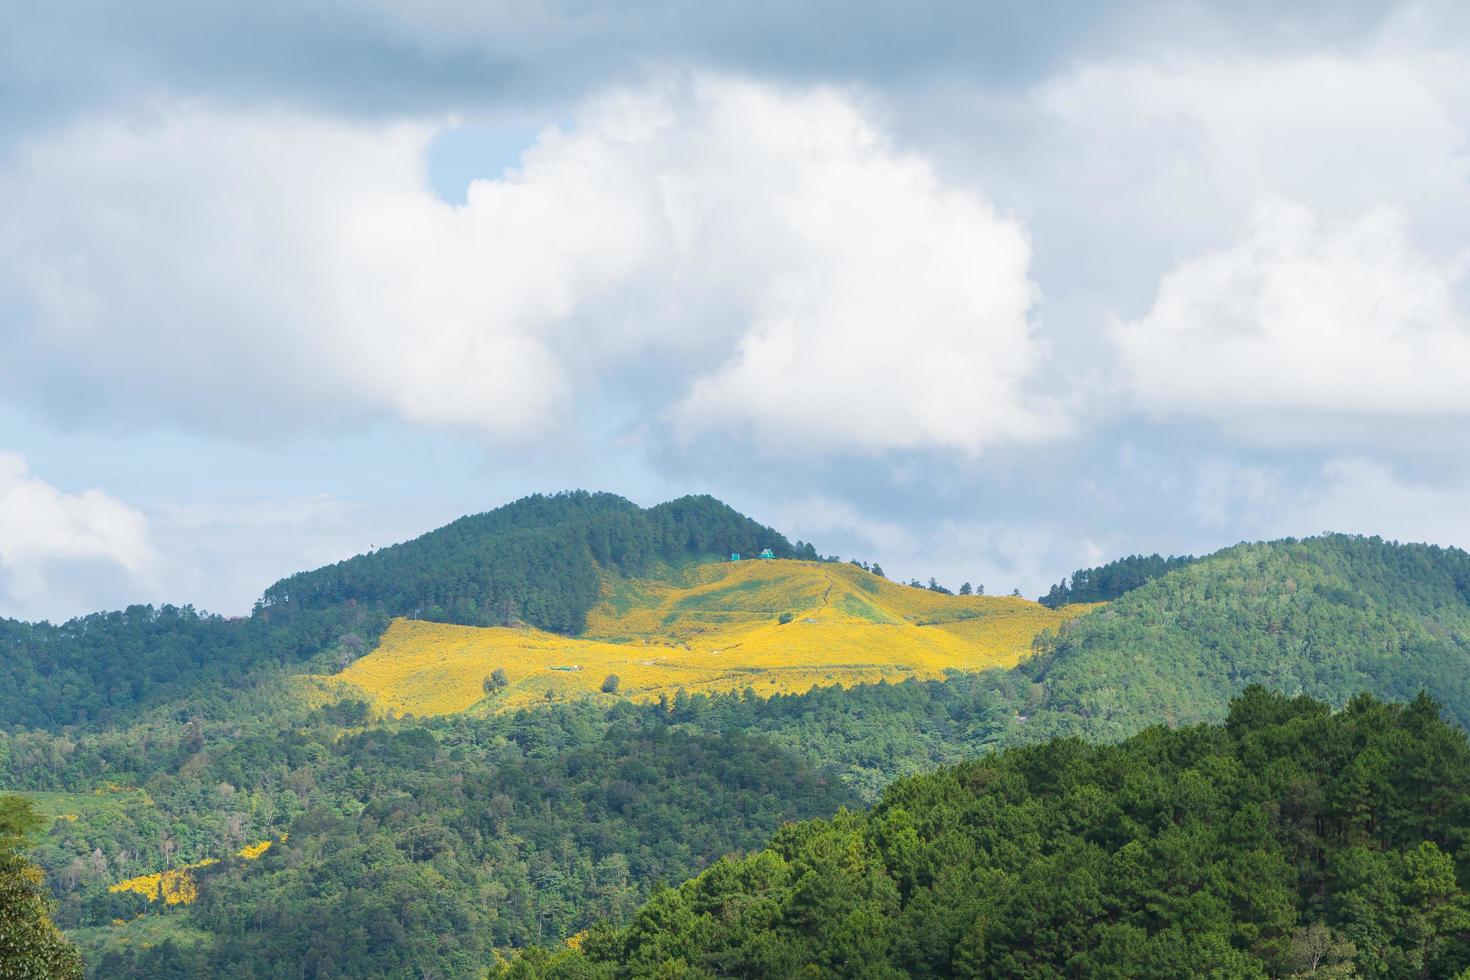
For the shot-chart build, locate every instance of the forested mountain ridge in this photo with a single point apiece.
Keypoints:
(1328, 616)
(1289, 841)
(535, 560)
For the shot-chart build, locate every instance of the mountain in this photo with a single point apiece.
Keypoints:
(536, 560)
(539, 560)
(1289, 841)
(1329, 616)
(115, 668)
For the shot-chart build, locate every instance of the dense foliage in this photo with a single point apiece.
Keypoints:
(31, 947)
(407, 847)
(1289, 841)
(108, 667)
(534, 561)
(1327, 617)
(1107, 582)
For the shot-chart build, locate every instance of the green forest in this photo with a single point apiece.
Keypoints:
(1329, 617)
(164, 737)
(1288, 842)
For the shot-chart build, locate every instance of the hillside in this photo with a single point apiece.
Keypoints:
(541, 561)
(768, 626)
(1288, 842)
(538, 560)
(1328, 617)
(413, 849)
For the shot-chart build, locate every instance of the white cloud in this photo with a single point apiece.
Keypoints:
(221, 554)
(1354, 494)
(46, 533)
(1227, 494)
(893, 310)
(265, 270)
(1368, 496)
(827, 521)
(1182, 146)
(1305, 316)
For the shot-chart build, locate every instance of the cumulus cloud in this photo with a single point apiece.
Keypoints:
(797, 273)
(892, 309)
(46, 534)
(1305, 316)
(1368, 496)
(1181, 146)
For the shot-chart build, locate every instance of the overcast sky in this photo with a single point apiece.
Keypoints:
(985, 291)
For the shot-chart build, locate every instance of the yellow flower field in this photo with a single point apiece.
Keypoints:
(715, 629)
(174, 887)
(251, 852)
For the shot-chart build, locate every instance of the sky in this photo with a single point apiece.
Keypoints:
(982, 291)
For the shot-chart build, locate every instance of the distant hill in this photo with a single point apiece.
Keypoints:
(773, 627)
(1328, 617)
(540, 560)
(1289, 842)
(535, 560)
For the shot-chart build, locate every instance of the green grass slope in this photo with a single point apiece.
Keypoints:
(1328, 617)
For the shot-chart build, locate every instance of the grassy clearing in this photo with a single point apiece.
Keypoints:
(715, 629)
(140, 933)
(101, 805)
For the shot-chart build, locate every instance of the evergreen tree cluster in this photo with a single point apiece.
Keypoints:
(1287, 842)
(418, 849)
(107, 668)
(1107, 582)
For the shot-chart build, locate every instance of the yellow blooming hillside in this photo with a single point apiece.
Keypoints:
(715, 628)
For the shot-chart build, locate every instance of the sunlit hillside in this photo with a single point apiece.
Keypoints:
(771, 626)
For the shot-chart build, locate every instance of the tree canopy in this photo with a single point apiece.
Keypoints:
(1285, 841)
(1107, 582)
(31, 947)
